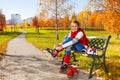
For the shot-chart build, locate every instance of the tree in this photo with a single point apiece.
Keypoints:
(2, 21)
(80, 18)
(74, 17)
(61, 23)
(42, 22)
(111, 22)
(56, 9)
(110, 14)
(83, 18)
(26, 23)
(35, 23)
(98, 21)
(92, 19)
(66, 21)
(51, 23)
(13, 23)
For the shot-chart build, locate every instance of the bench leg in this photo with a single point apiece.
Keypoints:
(91, 70)
(105, 67)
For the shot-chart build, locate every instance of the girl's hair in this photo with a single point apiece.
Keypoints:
(76, 22)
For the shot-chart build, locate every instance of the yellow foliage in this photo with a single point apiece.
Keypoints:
(111, 21)
(91, 20)
(83, 17)
(98, 21)
(74, 17)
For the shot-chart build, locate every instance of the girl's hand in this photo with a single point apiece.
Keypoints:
(59, 48)
(55, 46)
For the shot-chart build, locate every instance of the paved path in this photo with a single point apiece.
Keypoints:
(23, 61)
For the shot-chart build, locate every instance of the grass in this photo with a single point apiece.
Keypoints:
(47, 39)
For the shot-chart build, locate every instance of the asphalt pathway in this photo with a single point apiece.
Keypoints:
(23, 61)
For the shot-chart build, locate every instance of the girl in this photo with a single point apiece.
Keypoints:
(76, 40)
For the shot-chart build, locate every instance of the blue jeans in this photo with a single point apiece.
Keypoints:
(77, 47)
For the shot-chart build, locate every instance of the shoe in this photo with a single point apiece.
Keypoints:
(63, 68)
(75, 69)
(70, 72)
(52, 52)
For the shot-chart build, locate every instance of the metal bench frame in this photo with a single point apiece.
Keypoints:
(99, 43)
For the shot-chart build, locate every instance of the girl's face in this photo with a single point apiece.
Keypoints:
(74, 27)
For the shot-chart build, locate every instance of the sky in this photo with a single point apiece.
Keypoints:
(29, 8)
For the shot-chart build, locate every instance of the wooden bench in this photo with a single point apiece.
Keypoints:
(100, 44)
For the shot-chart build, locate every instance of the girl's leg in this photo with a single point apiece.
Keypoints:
(66, 58)
(67, 40)
(54, 52)
(78, 47)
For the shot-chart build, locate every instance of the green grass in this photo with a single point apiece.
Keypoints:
(47, 38)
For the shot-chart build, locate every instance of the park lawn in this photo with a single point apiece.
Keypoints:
(47, 39)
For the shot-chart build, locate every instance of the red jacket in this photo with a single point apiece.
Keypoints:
(83, 40)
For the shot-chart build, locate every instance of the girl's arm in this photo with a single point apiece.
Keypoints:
(75, 40)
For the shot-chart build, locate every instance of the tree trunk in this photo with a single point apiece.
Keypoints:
(14, 29)
(117, 36)
(37, 29)
(56, 24)
(1, 27)
(57, 33)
